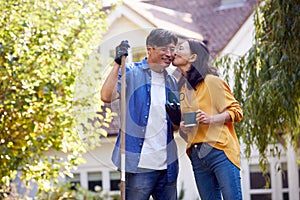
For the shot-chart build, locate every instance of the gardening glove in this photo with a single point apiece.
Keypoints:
(121, 50)
(173, 109)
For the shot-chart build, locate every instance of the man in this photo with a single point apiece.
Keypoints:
(151, 152)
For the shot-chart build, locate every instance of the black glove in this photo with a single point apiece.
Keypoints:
(121, 50)
(173, 108)
(174, 113)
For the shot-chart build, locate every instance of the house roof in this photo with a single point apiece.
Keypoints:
(164, 17)
(210, 20)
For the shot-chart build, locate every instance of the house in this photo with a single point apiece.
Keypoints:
(227, 25)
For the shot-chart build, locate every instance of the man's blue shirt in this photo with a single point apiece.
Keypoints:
(138, 99)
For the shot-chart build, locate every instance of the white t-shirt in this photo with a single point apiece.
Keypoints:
(154, 150)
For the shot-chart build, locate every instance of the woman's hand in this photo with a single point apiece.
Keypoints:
(203, 118)
(187, 132)
(185, 129)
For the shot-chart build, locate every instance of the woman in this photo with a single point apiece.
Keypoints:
(213, 146)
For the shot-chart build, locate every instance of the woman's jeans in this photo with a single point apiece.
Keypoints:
(140, 186)
(215, 174)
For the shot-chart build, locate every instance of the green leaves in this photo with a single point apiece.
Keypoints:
(43, 44)
(91, 115)
(267, 80)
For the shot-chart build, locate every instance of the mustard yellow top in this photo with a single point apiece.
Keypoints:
(214, 96)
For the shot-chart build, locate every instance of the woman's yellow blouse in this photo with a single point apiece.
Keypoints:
(214, 96)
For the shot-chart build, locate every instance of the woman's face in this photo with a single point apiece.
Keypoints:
(183, 56)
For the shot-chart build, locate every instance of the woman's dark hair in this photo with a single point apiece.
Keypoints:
(161, 37)
(200, 67)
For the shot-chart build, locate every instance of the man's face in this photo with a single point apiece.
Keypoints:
(161, 56)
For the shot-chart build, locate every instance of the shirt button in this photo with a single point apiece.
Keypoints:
(141, 144)
(146, 116)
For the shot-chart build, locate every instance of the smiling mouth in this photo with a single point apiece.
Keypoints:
(167, 60)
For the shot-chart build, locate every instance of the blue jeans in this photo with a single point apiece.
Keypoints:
(215, 175)
(140, 186)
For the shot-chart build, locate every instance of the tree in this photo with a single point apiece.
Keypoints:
(43, 44)
(267, 79)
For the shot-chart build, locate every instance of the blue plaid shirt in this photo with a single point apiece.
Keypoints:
(138, 99)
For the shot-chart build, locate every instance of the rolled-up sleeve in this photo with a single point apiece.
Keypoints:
(232, 105)
(223, 99)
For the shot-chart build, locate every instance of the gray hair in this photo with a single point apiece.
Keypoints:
(161, 37)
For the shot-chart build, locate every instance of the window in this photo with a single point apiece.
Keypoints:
(261, 197)
(257, 179)
(115, 181)
(284, 180)
(75, 180)
(94, 179)
(259, 184)
(112, 53)
(299, 179)
(285, 196)
(138, 53)
(284, 175)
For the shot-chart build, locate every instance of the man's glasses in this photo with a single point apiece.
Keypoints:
(165, 49)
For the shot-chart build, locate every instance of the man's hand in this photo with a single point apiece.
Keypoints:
(173, 110)
(121, 50)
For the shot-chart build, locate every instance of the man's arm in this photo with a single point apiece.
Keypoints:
(109, 89)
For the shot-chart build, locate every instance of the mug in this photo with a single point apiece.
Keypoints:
(189, 119)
